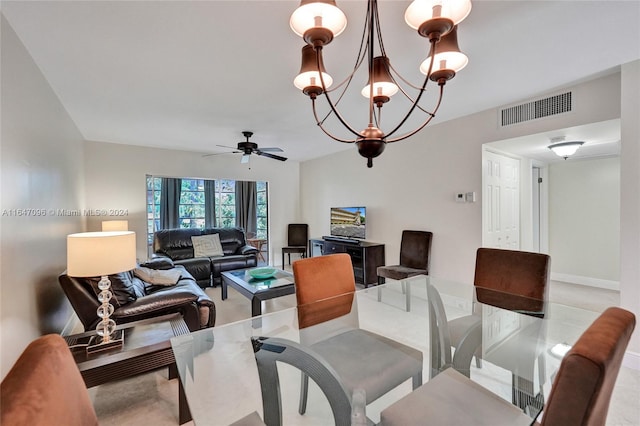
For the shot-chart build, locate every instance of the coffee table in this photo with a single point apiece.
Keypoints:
(257, 290)
(147, 347)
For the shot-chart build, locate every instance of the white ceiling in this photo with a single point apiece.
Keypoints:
(193, 74)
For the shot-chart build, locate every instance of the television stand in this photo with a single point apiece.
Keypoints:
(365, 256)
(341, 239)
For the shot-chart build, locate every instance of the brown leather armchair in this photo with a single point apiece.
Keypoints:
(135, 299)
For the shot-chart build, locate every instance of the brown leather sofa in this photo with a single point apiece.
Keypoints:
(135, 299)
(176, 244)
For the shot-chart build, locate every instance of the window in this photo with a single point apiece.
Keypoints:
(261, 210)
(225, 203)
(192, 205)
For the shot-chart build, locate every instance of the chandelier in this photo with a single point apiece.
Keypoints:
(319, 21)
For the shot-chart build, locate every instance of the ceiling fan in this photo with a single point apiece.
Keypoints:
(247, 148)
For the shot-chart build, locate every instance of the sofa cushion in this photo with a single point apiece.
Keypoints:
(207, 246)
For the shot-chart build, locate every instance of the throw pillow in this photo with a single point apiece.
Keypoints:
(157, 276)
(123, 288)
(207, 246)
(158, 263)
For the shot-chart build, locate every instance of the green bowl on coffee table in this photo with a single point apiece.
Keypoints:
(262, 273)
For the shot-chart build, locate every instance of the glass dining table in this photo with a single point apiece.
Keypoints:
(520, 347)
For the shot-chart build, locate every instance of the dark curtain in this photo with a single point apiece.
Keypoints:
(210, 203)
(246, 201)
(170, 203)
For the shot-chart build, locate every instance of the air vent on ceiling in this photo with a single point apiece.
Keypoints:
(533, 110)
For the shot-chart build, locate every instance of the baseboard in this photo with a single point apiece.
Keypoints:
(631, 360)
(586, 281)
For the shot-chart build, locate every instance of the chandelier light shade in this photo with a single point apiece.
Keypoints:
(565, 149)
(309, 78)
(421, 12)
(448, 57)
(383, 85)
(319, 22)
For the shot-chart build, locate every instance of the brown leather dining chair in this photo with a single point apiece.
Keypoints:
(297, 241)
(513, 272)
(580, 394)
(415, 251)
(44, 387)
(362, 360)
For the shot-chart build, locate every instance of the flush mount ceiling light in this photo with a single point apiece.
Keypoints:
(564, 149)
(319, 21)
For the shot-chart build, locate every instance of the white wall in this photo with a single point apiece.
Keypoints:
(630, 197)
(116, 179)
(42, 168)
(584, 221)
(412, 184)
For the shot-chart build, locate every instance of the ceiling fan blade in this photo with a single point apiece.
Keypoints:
(219, 153)
(234, 148)
(244, 159)
(275, 157)
(272, 149)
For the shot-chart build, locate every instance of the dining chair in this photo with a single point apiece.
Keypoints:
(513, 272)
(44, 387)
(580, 394)
(442, 357)
(328, 323)
(297, 241)
(415, 251)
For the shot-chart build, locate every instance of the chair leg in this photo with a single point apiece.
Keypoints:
(283, 260)
(289, 254)
(407, 293)
(304, 390)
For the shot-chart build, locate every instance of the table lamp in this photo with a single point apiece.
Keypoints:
(115, 225)
(92, 254)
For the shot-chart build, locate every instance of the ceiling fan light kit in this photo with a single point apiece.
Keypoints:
(318, 22)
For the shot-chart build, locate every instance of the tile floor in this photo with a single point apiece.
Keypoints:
(152, 399)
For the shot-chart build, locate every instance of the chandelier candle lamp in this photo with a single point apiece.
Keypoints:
(100, 254)
(319, 21)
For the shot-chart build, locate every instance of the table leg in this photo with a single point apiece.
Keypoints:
(256, 307)
(184, 414)
(223, 289)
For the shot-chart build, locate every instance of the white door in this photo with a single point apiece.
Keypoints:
(501, 201)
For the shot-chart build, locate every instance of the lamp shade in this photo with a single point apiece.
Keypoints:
(383, 84)
(318, 13)
(115, 225)
(92, 254)
(447, 55)
(421, 11)
(309, 75)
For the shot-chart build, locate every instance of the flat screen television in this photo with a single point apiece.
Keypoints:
(349, 222)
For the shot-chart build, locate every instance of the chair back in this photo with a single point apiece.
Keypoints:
(582, 389)
(515, 272)
(415, 249)
(325, 286)
(44, 386)
(297, 234)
